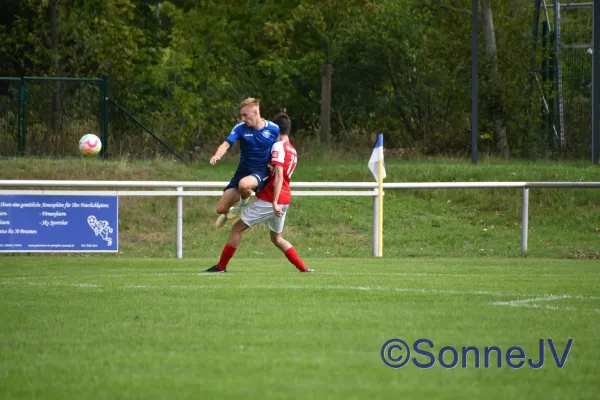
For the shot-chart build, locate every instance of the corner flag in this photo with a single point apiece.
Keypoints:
(377, 168)
(377, 156)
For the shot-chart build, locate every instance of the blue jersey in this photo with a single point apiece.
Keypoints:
(255, 145)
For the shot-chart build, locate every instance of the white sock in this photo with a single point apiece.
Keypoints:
(243, 201)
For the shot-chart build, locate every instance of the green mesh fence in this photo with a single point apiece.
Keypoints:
(9, 116)
(48, 116)
(566, 79)
(57, 113)
(576, 60)
(129, 135)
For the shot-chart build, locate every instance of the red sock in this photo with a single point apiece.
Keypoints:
(226, 254)
(295, 259)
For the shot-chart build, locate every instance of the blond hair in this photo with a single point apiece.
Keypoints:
(250, 101)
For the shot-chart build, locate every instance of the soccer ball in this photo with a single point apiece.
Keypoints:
(90, 144)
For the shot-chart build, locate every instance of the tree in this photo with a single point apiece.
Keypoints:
(496, 93)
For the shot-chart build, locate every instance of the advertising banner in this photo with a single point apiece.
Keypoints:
(47, 223)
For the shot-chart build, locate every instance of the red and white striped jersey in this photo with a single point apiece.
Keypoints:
(284, 155)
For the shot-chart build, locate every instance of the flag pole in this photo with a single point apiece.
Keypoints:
(378, 170)
(380, 207)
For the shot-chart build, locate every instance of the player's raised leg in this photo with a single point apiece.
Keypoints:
(230, 197)
(247, 185)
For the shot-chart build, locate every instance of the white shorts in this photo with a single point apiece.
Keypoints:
(260, 211)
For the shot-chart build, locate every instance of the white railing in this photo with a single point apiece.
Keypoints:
(180, 193)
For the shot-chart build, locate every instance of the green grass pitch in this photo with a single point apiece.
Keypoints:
(112, 328)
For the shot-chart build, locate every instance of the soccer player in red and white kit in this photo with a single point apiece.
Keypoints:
(271, 204)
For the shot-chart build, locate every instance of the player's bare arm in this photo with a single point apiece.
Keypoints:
(277, 184)
(220, 153)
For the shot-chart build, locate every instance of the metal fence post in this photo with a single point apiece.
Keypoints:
(524, 220)
(19, 117)
(104, 114)
(23, 108)
(180, 224)
(474, 83)
(595, 82)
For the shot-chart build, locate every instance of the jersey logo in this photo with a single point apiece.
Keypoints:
(274, 154)
(266, 133)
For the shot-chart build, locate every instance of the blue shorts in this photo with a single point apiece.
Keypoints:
(261, 176)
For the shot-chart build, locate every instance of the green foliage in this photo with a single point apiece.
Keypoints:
(381, 52)
(402, 67)
(95, 37)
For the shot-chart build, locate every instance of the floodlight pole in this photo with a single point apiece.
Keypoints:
(104, 114)
(595, 80)
(474, 82)
(558, 77)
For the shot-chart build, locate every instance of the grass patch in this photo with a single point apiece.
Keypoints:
(96, 328)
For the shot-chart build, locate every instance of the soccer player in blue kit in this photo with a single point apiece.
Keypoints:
(256, 137)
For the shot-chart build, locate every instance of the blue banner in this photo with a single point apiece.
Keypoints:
(58, 223)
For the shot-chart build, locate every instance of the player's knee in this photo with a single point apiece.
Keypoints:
(247, 186)
(244, 188)
(246, 193)
(221, 209)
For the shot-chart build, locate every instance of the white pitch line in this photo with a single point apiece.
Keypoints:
(527, 302)
(548, 307)
(86, 285)
(437, 274)
(531, 300)
(25, 278)
(578, 297)
(326, 273)
(389, 289)
(532, 303)
(544, 297)
(294, 287)
(561, 308)
(459, 292)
